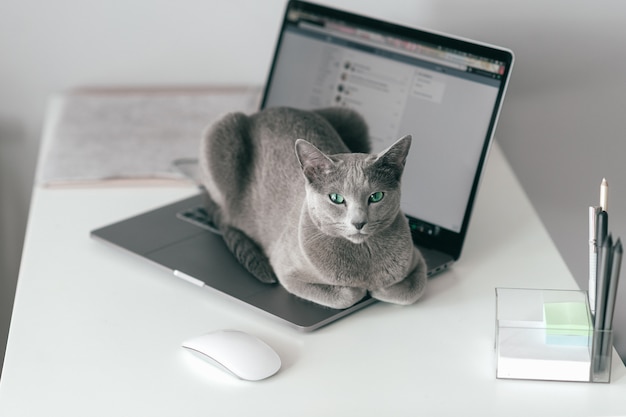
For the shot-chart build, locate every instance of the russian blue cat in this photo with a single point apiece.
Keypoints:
(299, 199)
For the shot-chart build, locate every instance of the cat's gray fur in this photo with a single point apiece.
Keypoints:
(270, 198)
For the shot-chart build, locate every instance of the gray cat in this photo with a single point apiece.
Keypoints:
(325, 220)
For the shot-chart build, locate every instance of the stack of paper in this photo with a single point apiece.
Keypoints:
(132, 136)
(543, 335)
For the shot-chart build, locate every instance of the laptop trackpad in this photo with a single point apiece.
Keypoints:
(205, 257)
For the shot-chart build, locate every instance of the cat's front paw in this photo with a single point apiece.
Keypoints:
(342, 297)
(405, 292)
(332, 296)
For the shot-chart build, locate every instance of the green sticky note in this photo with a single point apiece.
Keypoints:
(567, 323)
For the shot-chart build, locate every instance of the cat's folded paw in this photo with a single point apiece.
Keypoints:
(405, 292)
(332, 296)
(343, 297)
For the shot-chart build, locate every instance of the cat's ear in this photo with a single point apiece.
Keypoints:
(395, 156)
(315, 165)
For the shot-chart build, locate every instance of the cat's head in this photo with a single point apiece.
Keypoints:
(353, 195)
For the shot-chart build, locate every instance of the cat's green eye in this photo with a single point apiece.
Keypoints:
(336, 198)
(376, 197)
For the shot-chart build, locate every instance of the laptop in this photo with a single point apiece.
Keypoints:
(443, 90)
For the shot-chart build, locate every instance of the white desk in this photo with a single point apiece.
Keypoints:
(97, 332)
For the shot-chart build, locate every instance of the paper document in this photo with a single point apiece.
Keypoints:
(133, 136)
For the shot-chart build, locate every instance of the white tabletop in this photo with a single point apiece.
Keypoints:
(97, 332)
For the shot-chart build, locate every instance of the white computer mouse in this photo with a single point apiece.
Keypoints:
(239, 353)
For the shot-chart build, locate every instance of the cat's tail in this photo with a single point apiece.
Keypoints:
(245, 250)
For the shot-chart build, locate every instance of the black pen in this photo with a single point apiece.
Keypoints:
(611, 295)
(612, 279)
(604, 263)
(602, 223)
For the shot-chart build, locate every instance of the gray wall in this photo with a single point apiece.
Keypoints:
(562, 127)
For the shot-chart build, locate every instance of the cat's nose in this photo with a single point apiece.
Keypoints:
(358, 226)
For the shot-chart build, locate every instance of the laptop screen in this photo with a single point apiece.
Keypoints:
(443, 91)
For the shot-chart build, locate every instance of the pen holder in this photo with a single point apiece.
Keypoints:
(549, 335)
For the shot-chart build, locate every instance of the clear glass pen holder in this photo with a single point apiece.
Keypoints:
(549, 335)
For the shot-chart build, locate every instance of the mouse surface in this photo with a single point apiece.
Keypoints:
(242, 354)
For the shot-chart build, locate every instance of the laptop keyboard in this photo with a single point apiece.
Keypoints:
(198, 216)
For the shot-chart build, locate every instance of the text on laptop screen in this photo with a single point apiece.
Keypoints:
(444, 98)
